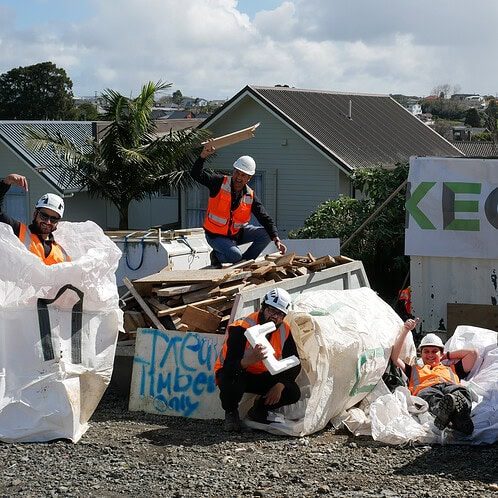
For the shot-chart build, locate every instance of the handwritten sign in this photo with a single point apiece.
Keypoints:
(173, 374)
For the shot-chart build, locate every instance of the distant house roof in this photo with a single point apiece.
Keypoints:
(356, 130)
(478, 149)
(181, 114)
(46, 163)
(165, 126)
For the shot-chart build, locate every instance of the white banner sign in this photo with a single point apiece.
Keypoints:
(452, 207)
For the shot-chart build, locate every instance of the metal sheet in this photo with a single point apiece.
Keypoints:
(438, 281)
(346, 276)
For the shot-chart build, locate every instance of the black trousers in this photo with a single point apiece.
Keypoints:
(232, 388)
(434, 394)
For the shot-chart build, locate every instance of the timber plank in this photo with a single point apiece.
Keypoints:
(192, 297)
(184, 276)
(263, 270)
(143, 304)
(226, 291)
(200, 320)
(175, 290)
(286, 259)
(179, 309)
(477, 315)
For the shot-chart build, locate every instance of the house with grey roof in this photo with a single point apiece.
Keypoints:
(308, 144)
(477, 148)
(40, 168)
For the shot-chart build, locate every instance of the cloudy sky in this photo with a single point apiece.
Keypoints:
(212, 48)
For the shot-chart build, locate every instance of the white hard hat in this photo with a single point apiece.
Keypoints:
(431, 340)
(246, 164)
(278, 298)
(53, 202)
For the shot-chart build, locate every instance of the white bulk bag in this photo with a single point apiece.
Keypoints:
(344, 340)
(58, 332)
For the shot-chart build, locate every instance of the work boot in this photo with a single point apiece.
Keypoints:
(258, 413)
(461, 404)
(215, 262)
(444, 412)
(232, 421)
(462, 423)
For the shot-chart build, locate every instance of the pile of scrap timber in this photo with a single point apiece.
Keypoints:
(201, 300)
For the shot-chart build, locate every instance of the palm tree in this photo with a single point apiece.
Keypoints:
(129, 163)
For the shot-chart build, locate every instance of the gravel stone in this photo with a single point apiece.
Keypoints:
(136, 454)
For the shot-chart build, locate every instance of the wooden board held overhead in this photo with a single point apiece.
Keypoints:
(232, 138)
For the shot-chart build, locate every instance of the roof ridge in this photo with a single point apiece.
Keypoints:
(310, 90)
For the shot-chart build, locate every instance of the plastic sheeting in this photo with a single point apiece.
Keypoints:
(58, 332)
(344, 339)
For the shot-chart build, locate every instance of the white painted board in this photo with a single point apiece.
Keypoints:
(173, 374)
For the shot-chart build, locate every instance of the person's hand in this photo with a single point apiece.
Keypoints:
(19, 180)
(280, 245)
(253, 355)
(208, 150)
(410, 324)
(272, 397)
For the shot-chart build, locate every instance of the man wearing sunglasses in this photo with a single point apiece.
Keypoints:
(240, 368)
(38, 236)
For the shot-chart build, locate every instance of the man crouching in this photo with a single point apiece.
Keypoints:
(240, 368)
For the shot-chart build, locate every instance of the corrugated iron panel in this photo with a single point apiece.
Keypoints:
(78, 132)
(360, 130)
(478, 149)
(435, 282)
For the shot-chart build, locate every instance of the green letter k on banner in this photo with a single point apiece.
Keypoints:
(412, 205)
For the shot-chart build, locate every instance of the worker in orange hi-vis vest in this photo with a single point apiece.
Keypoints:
(438, 383)
(240, 368)
(38, 236)
(230, 207)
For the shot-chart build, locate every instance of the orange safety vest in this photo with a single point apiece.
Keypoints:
(406, 296)
(33, 244)
(219, 219)
(277, 339)
(422, 377)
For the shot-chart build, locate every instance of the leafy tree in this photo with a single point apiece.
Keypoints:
(444, 127)
(86, 112)
(177, 97)
(485, 136)
(444, 108)
(129, 163)
(380, 245)
(40, 91)
(491, 115)
(472, 118)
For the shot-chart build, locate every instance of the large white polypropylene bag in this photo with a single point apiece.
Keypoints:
(58, 332)
(392, 423)
(344, 339)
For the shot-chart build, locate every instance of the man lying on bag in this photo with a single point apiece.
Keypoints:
(437, 383)
(37, 237)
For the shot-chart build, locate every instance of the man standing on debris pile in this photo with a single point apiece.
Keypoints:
(439, 384)
(240, 368)
(230, 206)
(38, 236)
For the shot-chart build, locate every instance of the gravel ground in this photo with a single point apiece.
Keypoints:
(136, 454)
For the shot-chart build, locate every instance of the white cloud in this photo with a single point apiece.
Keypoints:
(207, 48)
